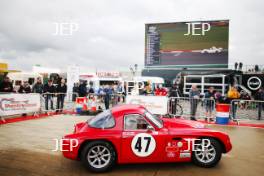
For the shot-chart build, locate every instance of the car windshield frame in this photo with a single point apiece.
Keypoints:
(154, 119)
(106, 116)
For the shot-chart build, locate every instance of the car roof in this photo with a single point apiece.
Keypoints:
(123, 109)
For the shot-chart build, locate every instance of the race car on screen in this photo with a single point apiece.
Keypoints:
(212, 50)
(131, 134)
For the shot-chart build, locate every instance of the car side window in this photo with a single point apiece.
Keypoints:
(135, 122)
(102, 120)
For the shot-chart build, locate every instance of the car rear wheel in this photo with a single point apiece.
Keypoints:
(208, 156)
(98, 156)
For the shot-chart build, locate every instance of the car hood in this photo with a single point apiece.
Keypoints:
(187, 127)
(181, 123)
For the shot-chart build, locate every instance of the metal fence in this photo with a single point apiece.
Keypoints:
(201, 108)
(50, 102)
(114, 99)
(191, 107)
(57, 102)
(246, 109)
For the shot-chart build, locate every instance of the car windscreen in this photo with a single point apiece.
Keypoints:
(102, 120)
(155, 119)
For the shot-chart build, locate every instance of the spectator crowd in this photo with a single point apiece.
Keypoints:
(48, 90)
(213, 96)
(106, 92)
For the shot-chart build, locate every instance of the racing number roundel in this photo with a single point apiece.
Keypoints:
(143, 144)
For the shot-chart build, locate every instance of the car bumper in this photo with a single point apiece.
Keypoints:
(228, 145)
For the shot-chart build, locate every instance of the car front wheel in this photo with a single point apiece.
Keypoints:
(209, 155)
(98, 156)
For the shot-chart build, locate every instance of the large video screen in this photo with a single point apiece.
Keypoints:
(187, 44)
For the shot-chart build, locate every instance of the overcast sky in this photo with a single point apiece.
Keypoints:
(110, 33)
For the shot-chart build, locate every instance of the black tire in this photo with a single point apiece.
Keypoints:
(218, 154)
(88, 149)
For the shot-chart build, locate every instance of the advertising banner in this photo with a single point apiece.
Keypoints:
(155, 104)
(11, 104)
(73, 73)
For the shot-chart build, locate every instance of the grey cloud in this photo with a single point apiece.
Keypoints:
(111, 32)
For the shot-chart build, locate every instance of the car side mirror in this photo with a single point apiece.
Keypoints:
(150, 128)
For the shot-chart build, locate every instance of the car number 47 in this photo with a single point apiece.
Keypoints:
(143, 144)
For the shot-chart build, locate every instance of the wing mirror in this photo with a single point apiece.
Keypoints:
(150, 128)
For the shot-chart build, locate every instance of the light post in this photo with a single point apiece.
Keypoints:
(133, 70)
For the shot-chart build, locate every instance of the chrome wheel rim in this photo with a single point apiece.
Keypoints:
(98, 156)
(207, 155)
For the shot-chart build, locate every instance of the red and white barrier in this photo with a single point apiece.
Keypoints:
(12, 104)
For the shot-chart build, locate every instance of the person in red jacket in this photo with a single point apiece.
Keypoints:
(160, 91)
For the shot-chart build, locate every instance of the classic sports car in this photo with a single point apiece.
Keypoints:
(131, 134)
(212, 50)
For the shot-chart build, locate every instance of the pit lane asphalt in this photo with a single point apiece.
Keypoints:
(26, 149)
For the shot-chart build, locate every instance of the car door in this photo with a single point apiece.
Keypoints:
(141, 142)
(178, 147)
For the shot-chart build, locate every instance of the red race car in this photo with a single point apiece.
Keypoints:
(131, 134)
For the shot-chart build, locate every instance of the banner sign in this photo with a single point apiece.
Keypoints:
(73, 73)
(112, 74)
(11, 104)
(155, 104)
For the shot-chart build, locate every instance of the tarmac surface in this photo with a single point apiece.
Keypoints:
(26, 150)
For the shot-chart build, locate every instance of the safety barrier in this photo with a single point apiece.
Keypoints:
(89, 102)
(13, 104)
(57, 102)
(246, 109)
(191, 107)
(112, 99)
